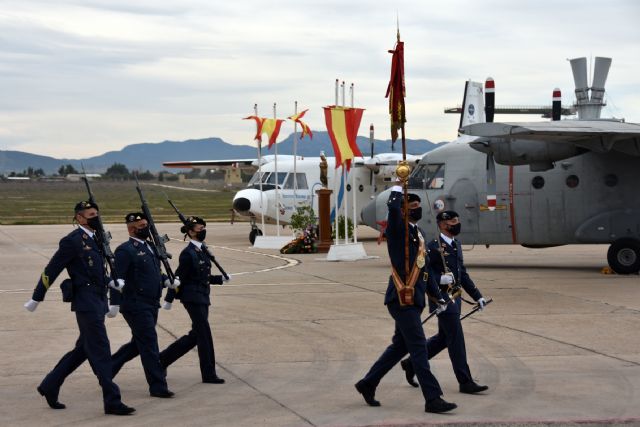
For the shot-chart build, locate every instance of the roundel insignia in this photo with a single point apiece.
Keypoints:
(471, 109)
(438, 205)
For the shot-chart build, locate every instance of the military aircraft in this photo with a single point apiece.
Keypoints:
(538, 184)
(371, 174)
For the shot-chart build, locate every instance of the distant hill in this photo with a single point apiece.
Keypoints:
(149, 156)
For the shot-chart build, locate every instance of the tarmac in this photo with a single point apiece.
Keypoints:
(293, 333)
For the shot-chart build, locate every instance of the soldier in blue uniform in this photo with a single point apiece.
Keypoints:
(195, 276)
(446, 268)
(139, 303)
(87, 289)
(409, 334)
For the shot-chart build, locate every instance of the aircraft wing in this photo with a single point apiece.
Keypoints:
(595, 135)
(212, 164)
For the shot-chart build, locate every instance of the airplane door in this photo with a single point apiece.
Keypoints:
(464, 200)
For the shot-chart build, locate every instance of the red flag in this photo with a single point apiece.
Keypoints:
(269, 126)
(305, 129)
(342, 124)
(396, 90)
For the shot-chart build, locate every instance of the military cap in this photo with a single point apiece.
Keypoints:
(191, 222)
(411, 197)
(85, 204)
(446, 215)
(134, 216)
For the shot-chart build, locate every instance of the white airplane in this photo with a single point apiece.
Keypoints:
(371, 175)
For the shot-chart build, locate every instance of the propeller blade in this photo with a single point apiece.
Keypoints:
(491, 182)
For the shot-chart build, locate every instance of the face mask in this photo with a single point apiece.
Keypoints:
(200, 235)
(415, 214)
(455, 229)
(94, 222)
(143, 233)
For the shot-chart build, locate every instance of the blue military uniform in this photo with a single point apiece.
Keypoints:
(194, 271)
(409, 334)
(450, 333)
(79, 254)
(139, 303)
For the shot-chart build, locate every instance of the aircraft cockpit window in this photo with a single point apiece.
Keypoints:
(268, 180)
(271, 178)
(427, 176)
(300, 181)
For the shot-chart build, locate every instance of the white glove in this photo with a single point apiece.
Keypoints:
(442, 306)
(446, 279)
(226, 279)
(397, 188)
(481, 303)
(166, 305)
(113, 311)
(117, 285)
(31, 305)
(174, 285)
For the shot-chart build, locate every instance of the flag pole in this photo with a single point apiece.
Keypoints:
(353, 181)
(255, 111)
(336, 191)
(344, 183)
(295, 158)
(277, 181)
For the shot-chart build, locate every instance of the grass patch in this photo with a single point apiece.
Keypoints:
(53, 202)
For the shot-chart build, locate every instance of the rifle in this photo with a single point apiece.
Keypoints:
(157, 240)
(102, 236)
(204, 246)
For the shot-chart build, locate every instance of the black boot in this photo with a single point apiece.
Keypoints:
(472, 388)
(407, 367)
(367, 392)
(52, 399)
(439, 405)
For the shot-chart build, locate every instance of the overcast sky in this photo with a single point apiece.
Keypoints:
(79, 78)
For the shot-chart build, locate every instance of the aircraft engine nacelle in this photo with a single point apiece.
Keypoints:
(539, 155)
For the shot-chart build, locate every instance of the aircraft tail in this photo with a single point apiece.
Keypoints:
(472, 105)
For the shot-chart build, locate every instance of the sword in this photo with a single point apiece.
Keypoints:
(475, 309)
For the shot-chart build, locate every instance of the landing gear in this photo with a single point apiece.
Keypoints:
(624, 256)
(255, 231)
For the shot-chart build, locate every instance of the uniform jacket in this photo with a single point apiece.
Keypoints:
(79, 254)
(140, 269)
(194, 271)
(453, 258)
(395, 245)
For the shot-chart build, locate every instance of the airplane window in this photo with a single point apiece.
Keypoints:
(537, 182)
(361, 188)
(427, 176)
(272, 177)
(348, 187)
(301, 179)
(611, 180)
(572, 181)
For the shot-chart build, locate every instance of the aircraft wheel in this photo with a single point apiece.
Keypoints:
(252, 235)
(624, 256)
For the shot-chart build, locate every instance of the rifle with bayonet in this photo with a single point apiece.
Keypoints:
(103, 237)
(204, 246)
(157, 240)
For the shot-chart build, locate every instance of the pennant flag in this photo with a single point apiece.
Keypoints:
(269, 126)
(305, 129)
(342, 124)
(396, 90)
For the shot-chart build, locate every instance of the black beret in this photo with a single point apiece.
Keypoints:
(191, 222)
(134, 216)
(411, 197)
(446, 215)
(85, 204)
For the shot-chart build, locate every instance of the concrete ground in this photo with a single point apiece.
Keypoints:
(559, 345)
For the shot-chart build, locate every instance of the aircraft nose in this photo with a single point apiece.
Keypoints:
(242, 204)
(368, 214)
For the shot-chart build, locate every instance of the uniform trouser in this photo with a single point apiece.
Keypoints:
(450, 335)
(92, 344)
(407, 337)
(144, 342)
(200, 335)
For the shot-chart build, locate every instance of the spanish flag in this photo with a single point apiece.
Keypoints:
(342, 124)
(269, 126)
(305, 129)
(396, 90)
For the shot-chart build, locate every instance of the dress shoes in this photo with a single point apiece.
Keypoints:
(214, 380)
(121, 409)
(367, 392)
(472, 388)
(407, 367)
(163, 394)
(52, 400)
(439, 405)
